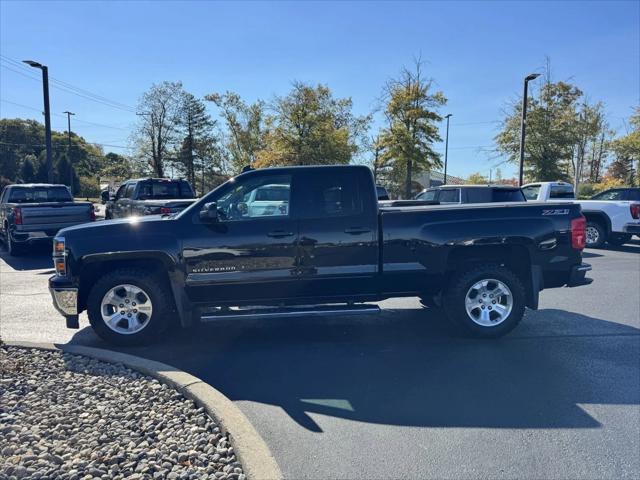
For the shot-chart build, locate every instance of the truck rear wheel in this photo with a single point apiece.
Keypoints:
(596, 235)
(486, 302)
(129, 306)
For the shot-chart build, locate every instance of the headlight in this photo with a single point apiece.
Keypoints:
(60, 256)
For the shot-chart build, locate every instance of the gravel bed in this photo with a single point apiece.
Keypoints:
(70, 417)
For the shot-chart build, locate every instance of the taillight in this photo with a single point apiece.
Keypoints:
(165, 211)
(579, 232)
(17, 216)
(635, 210)
(92, 213)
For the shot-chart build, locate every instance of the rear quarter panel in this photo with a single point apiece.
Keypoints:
(417, 242)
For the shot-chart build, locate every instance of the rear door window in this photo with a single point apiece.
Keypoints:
(561, 191)
(331, 196)
(508, 195)
(449, 195)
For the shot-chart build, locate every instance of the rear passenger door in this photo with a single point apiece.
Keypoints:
(338, 245)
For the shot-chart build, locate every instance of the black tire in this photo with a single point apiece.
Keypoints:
(158, 292)
(13, 249)
(618, 239)
(598, 235)
(455, 296)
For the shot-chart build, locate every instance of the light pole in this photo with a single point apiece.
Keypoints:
(446, 148)
(69, 149)
(47, 115)
(523, 123)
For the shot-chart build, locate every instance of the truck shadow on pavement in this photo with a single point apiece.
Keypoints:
(36, 258)
(403, 367)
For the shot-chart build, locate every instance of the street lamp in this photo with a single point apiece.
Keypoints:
(523, 123)
(446, 148)
(47, 114)
(69, 149)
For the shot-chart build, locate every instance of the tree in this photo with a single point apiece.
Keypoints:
(28, 169)
(477, 179)
(244, 128)
(551, 131)
(627, 151)
(197, 128)
(310, 127)
(412, 115)
(156, 135)
(116, 166)
(65, 173)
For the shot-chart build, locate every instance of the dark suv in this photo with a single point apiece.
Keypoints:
(472, 194)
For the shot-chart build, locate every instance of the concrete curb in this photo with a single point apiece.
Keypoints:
(252, 452)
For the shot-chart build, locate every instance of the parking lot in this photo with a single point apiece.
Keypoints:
(395, 395)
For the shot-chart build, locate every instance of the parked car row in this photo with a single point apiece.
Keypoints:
(302, 241)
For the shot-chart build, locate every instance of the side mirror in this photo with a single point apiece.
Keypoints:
(210, 212)
(104, 196)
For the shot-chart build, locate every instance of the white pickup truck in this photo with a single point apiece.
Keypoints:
(611, 221)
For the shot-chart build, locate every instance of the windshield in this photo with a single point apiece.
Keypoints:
(429, 195)
(40, 195)
(159, 189)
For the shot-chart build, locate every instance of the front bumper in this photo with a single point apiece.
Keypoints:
(578, 275)
(633, 228)
(65, 300)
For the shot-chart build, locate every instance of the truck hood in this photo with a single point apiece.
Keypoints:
(122, 226)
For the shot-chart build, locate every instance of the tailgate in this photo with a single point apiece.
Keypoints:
(55, 216)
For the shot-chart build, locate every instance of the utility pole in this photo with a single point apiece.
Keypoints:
(446, 149)
(47, 115)
(69, 149)
(523, 123)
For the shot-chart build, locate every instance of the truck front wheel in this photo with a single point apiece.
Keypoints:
(129, 306)
(485, 302)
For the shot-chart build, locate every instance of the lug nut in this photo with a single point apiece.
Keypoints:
(121, 305)
(135, 310)
(482, 307)
(484, 294)
(489, 307)
(122, 312)
(493, 302)
(133, 303)
(126, 301)
(128, 314)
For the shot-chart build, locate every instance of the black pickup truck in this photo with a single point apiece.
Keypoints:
(321, 246)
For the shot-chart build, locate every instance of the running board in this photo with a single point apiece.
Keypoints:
(294, 311)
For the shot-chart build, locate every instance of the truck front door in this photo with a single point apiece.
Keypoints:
(247, 254)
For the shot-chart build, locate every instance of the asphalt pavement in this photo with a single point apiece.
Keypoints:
(394, 395)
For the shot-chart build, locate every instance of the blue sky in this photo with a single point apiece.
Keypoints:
(477, 53)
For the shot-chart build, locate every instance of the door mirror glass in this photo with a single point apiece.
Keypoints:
(210, 212)
(104, 196)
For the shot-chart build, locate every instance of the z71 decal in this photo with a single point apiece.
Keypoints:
(562, 211)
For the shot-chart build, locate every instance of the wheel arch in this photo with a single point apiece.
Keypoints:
(515, 257)
(599, 217)
(159, 263)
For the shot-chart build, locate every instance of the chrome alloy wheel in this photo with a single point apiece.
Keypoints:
(489, 302)
(126, 309)
(593, 235)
